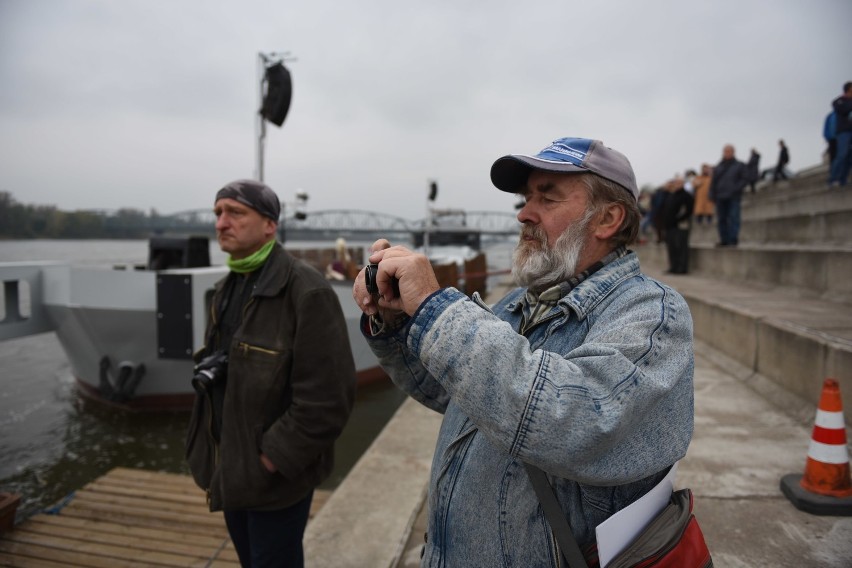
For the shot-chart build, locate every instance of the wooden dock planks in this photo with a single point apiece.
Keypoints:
(127, 517)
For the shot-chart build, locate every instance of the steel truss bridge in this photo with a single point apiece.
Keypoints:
(351, 223)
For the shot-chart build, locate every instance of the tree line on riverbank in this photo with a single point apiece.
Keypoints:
(23, 221)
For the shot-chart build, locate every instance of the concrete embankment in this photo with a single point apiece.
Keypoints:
(368, 518)
(745, 441)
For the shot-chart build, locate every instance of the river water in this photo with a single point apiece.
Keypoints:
(52, 441)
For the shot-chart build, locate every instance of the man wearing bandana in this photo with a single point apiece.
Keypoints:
(585, 371)
(275, 383)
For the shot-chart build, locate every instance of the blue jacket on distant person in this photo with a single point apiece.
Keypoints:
(829, 128)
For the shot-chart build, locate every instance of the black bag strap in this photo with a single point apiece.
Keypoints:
(556, 518)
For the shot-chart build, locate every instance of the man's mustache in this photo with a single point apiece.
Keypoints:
(534, 232)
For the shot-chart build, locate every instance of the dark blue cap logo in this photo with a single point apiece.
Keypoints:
(571, 150)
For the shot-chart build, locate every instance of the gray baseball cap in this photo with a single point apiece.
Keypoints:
(566, 155)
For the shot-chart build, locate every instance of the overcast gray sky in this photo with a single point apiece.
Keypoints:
(150, 104)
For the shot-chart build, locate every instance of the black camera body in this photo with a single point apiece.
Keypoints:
(210, 372)
(370, 273)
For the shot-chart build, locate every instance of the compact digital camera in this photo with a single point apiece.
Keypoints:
(370, 281)
(210, 372)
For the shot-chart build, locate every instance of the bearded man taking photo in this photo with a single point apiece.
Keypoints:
(585, 371)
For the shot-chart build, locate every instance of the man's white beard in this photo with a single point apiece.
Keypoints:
(538, 267)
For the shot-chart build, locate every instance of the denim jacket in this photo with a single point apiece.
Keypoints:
(598, 394)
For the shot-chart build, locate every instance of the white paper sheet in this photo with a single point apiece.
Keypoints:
(615, 533)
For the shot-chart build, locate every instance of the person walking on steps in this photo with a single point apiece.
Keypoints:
(783, 160)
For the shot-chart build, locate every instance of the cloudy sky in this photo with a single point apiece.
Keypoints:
(151, 104)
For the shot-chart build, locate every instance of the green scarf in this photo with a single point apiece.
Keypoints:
(253, 261)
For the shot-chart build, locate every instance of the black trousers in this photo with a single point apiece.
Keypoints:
(266, 539)
(677, 245)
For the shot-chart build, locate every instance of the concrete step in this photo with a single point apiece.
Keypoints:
(792, 198)
(826, 228)
(792, 341)
(806, 271)
(800, 210)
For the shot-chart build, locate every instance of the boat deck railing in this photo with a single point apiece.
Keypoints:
(23, 310)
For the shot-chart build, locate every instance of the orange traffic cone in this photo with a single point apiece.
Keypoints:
(827, 469)
(826, 486)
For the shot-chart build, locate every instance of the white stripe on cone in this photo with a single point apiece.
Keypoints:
(829, 420)
(828, 453)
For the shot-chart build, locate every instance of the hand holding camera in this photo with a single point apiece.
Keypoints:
(370, 273)
(397, 279)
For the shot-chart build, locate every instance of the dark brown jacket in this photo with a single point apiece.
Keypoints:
(290, 389)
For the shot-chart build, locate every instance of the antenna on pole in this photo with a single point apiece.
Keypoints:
(275, 89)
